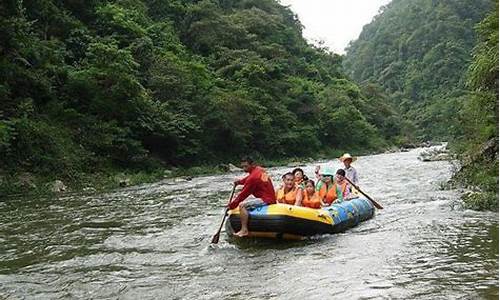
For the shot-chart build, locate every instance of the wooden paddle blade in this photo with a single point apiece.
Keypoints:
(215, 238)
(376, 204)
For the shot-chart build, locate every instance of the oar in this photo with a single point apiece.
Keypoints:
(369, 198)
(215, 238)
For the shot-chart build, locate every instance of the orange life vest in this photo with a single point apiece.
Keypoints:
(331, 195)
(288, 198)
(312, 201)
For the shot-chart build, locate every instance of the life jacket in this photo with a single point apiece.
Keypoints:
(312, 201)
(330, 195)
(323, 191)
(288, 198)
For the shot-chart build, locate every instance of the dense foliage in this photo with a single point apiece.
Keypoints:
(419, 52)
(111, 85)
(480, 111)
(480, 115)
(437, 61)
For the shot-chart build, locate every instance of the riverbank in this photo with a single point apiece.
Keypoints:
(28, 184)
(478, 175)
(31, 184)
(478, 178)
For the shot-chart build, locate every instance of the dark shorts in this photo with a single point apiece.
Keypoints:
(251, 204)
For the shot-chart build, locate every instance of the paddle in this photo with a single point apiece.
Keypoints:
(369, 198)
(215, 238)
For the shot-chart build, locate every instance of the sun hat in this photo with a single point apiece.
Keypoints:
(327, 172)
(347, 156)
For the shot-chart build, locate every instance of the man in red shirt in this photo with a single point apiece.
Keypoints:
(258, 184)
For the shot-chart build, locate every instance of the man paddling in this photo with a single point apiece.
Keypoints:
(350, 171)
(258, 184)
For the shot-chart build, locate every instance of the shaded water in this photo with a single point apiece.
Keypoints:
(152, 242)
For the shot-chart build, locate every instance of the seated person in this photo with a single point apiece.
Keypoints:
(258, 184)
(299, 177)
(333, 191)
(288, 192)
(344, 188)
(310, 197)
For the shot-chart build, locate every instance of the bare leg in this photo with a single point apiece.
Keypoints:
(244, 222)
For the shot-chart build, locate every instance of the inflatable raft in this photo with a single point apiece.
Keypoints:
(284, 221)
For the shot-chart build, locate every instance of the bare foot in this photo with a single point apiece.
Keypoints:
(241, 233)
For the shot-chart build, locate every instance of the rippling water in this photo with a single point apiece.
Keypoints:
(152, 242)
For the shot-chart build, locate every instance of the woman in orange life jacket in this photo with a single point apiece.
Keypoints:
(333, 191)
(299, 177)
(288, 193)
(310, 197)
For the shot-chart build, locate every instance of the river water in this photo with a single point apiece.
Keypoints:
(152, 242)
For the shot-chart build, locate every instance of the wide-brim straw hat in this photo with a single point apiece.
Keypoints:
(347, 156)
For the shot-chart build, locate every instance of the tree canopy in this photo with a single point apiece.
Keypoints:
(419, 53)
(437, 62)
(90, 85)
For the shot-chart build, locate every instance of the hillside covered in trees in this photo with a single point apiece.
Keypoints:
(419, 52)
(111, 86)
(437, 62)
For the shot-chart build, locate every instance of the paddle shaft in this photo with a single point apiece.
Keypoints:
(369, 198)
(215, 238)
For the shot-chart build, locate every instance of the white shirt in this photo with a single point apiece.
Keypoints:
(352, 174)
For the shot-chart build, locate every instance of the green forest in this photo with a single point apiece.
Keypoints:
(91, 89)
(437, 63)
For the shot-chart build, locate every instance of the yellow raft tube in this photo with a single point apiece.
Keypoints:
(283, 221)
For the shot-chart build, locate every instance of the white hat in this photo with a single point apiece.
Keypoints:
(347, 156)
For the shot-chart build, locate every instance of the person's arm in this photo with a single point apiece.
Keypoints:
(277, 194)
(241, 181)
(355, 178)
(316, 172)
(298, 197)
(245, 192)
(350, 192)
(319, 185)
(347, 193)
(322, 201)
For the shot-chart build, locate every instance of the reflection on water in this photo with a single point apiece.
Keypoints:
(152, 241)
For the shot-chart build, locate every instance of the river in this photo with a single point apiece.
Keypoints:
(153, 242)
